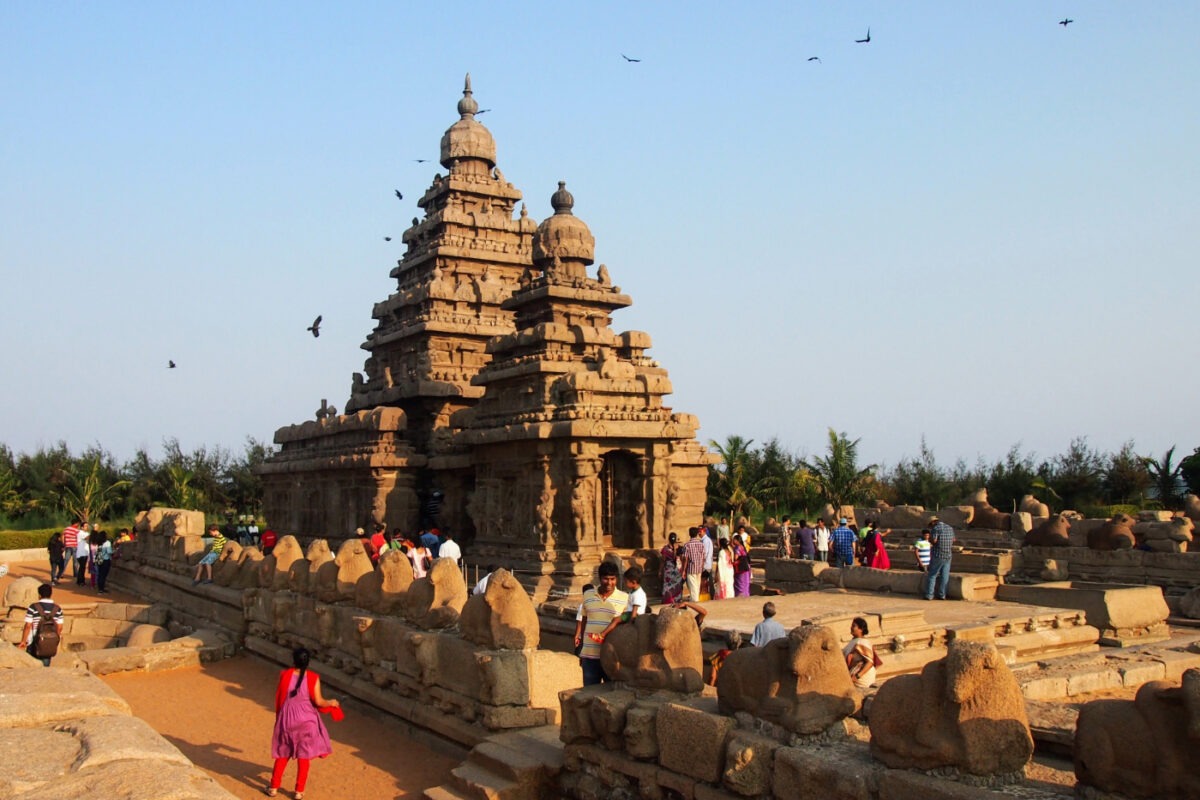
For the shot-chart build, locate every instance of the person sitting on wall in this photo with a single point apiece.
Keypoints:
(733, 641)
(210, 558)
(372, 551)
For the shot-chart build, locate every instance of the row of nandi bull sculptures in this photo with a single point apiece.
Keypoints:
(419, 648)
(965, 711)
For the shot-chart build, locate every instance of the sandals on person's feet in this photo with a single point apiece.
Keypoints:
(270, 791)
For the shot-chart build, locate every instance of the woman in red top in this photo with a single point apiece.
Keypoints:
(299, 732)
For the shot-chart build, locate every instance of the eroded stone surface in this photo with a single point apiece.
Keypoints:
(963, 711)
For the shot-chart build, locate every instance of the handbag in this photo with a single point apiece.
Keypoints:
(742, 564)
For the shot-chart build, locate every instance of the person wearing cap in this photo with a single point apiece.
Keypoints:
(843, 540)
(937, 577)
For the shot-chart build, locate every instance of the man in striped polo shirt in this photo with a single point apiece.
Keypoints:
(600, 607)
(70, 542)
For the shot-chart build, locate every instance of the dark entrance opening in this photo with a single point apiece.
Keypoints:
(619, 484)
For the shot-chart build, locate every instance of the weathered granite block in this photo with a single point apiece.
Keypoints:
(748, 764)
(576, 725)
(827, 773)
(691, 738)
(504, 676)
(641, 734)
(608, 717)
(449, 662)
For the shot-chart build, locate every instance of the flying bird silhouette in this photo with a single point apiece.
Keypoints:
(420, 160)
(1065, 21)
(814, 58)
(398, 195)
(482, 111)
(315, 327)
(387, 238)
(866, 40)
(170, 364)
(631, 60)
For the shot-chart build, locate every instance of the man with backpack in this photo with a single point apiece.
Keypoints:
(43, 626)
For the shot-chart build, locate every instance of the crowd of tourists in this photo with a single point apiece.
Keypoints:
(605, 607)
(88, 550)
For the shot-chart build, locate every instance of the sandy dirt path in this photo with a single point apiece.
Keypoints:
(220, 715)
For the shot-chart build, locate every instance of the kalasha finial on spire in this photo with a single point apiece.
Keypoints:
(467, 106)
(562, 201)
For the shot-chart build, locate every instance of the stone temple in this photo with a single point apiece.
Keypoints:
(496, 396)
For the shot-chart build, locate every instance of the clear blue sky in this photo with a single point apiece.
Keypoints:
(977, 228)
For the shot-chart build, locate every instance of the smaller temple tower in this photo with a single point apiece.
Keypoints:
(574, 452)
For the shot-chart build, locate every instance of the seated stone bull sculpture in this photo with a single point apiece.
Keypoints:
(503, 617)
(656, 651)
(1116, 534)
(1054, 532)
(1143, 747)
(436, 600)
(965, 710)
(800, 682)
(986, 515)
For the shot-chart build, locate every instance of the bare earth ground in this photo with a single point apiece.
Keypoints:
(220, 715)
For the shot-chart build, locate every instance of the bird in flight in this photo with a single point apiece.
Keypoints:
(1065, 21)
(315, 327)
(170, 364)
(398, 195)
(866, 40)
(631, 60)
(482, 111)
(814, 58)
(387, 238)
(420, 160)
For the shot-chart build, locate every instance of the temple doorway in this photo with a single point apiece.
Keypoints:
(619, 484)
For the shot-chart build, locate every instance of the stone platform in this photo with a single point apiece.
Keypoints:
(908, 632)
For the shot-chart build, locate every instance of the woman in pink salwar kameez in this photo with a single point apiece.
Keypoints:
(299, 732)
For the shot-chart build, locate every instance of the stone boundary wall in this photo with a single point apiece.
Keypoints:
(433, 679)
(1171, 571)
(793, 575)
(65, 735)
(619, 743)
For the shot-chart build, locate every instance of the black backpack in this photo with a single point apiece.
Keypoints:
(46, 639)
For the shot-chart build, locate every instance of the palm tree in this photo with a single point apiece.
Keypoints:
(88, 494)
(839, 480)
(731, 485)
(1167, 478)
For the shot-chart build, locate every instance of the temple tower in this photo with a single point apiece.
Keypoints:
(462, 261)
(574, 452)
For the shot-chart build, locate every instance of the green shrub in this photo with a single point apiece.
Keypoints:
(23, 540)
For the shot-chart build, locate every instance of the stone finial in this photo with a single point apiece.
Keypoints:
(467, 105)
(562, 201)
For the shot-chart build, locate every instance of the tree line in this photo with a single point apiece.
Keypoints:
(770, 480)
(46, 487)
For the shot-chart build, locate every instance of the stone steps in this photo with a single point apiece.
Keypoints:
(508, 766)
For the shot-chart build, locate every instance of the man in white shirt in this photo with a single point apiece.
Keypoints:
(82, 551)
(450, 548)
